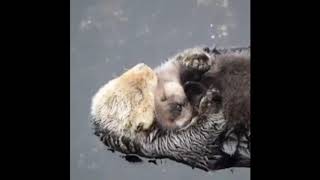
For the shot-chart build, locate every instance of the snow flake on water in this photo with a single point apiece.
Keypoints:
(120, 15)
(84, 25)
(218, 31)
(204, 2)
(223, 27)
(225, 3)
(224, 33)
(89, 23)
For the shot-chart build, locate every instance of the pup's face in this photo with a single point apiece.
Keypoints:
(173, 110)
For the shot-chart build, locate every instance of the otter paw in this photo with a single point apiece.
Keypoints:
(196, 60)
(211, 102)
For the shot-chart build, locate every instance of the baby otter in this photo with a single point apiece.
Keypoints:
(173, 109)
(189, 75)
(225, 85)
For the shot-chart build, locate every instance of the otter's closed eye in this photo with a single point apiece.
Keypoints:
(175, 110)
(178, 107)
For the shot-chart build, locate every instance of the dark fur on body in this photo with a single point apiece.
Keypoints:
(213, 141)
(230, 75)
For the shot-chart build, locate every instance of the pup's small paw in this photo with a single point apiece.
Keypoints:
(211, 102)
(196, 59)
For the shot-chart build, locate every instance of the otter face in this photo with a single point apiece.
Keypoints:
(173, 110)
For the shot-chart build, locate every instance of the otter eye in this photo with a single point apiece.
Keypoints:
(179, 107)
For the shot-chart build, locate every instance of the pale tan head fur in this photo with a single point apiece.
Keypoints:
(125, 105)
(173, 110)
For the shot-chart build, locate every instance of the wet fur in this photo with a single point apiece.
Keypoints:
(173, 109)
(126, 103)
(209, 143)
(230, 75)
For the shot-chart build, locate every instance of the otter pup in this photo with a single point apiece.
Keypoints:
(225, 79)
(124, 108)
(173, 109)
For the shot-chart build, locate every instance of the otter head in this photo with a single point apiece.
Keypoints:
(172, 108)
(125, 105)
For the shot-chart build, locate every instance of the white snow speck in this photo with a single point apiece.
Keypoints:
(225, 3)
(223, 27)
(204, 2)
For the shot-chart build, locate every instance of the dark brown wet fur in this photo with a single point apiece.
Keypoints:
(230, 74)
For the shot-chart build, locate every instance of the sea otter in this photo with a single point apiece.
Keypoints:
(227, 75)
(211, 142)
(229, 80)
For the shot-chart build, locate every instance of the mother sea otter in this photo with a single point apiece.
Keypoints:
(217, 137)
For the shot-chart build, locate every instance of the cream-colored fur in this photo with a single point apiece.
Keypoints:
(125, 105)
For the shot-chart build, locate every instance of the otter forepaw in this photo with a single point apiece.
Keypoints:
(211, 102)
(196, 59)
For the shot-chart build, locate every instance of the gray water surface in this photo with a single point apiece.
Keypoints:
(108, 36)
